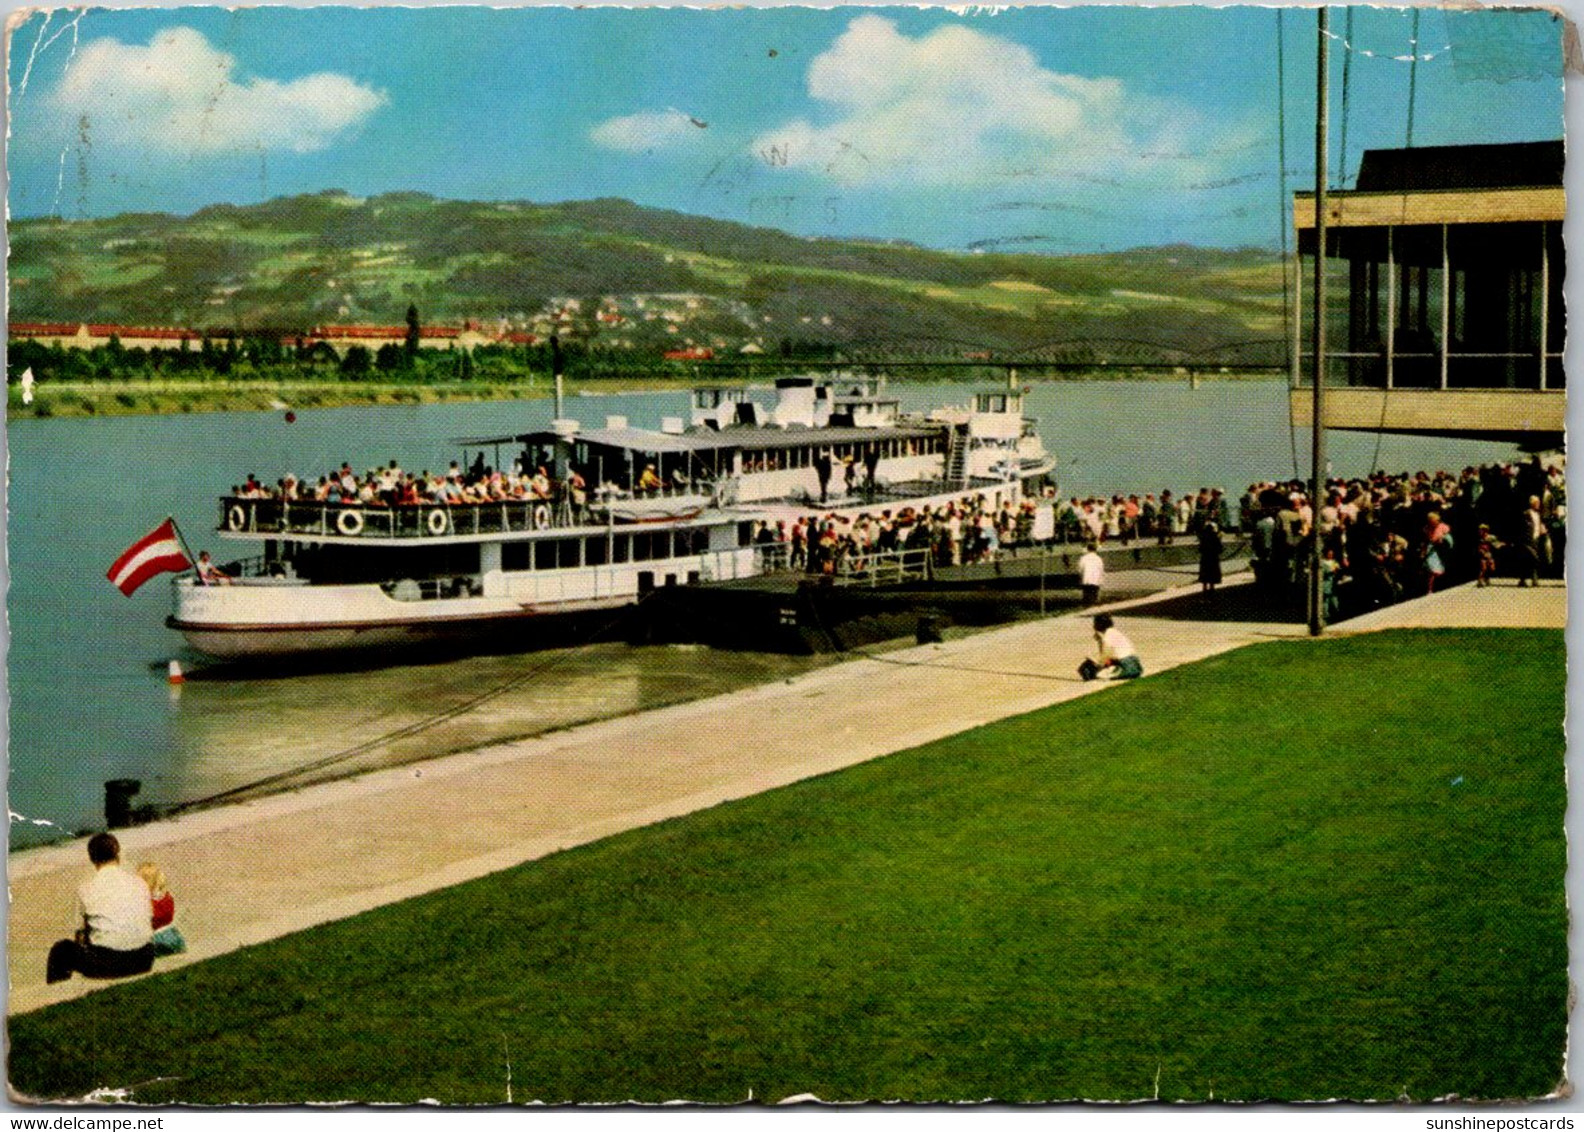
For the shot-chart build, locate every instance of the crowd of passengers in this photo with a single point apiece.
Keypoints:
(390, 486)
(1383, 537)
(1386, 537)
(971, 529)
(974, 528)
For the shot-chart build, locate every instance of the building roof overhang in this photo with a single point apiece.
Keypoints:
(1355, 209)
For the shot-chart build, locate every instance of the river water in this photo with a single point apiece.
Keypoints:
(87, 686)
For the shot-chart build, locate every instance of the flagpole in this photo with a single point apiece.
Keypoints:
(187, 550)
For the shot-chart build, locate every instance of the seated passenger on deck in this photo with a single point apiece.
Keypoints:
(210, 574)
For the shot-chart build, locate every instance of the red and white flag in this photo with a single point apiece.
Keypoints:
(154, 553)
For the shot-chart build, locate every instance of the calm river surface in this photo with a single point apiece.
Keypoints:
(86, 671)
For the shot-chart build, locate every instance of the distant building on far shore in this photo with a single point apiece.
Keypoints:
(87, 335)
(1444, 298)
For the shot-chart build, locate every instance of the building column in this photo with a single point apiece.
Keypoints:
(1446, 305)
(1391, 302)
(1545, 300)
(1297, 319)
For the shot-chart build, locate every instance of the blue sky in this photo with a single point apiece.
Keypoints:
(1033, 129)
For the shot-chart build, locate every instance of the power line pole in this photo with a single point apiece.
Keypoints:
(1317, 471)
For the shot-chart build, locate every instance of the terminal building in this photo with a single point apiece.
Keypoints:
(1444, 295)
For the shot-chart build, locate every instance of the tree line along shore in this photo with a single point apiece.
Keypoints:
(106, 381)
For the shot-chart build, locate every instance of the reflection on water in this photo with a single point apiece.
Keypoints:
(231, 733)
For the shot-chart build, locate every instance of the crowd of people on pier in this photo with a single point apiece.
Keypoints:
(1126, 519)
(967, 530)
(1384, 537)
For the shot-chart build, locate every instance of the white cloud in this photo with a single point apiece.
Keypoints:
(181, 95)
(959, 107)
(648, 129)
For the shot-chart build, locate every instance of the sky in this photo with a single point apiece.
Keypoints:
(1027, 129)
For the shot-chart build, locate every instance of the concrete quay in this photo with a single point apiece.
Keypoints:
(250, 872)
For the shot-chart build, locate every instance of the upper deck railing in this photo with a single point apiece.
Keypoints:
(375, 521)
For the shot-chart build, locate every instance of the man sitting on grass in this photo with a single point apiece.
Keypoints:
(117, 936)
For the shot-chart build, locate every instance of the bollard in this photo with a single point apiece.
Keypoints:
(118, 801)
(929, 629)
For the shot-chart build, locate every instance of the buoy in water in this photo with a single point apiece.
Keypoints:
(291, 417)
(176, 676)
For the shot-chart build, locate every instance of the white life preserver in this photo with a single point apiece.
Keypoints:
(541, 516)
(350, 522)
(439, 521)
(236, 518)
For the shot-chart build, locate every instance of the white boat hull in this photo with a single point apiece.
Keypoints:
(521, 630)
(260, 618)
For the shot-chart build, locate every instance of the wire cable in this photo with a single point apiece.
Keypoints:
(1413, 75)
(1282, 206)
(1347, 70)
(405, 732)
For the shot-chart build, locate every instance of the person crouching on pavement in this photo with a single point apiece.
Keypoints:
(117, 936)
(1118, 659)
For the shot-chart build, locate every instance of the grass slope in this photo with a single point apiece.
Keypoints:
(1301, 870)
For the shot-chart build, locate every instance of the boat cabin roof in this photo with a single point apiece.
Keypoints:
(748, 438)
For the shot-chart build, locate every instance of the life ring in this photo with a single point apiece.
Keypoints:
(236, 518)
(541, 517)
(439, 521)
(350, 522)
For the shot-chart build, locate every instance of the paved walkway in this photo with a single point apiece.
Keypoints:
(251, 872)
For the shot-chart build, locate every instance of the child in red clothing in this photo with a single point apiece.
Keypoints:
(167, 937)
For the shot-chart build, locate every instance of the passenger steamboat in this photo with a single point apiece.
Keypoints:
(631, 509)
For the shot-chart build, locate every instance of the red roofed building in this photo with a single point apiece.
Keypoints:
(85, 336)
(692, 354)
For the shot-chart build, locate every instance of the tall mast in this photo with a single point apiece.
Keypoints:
(1317, 481)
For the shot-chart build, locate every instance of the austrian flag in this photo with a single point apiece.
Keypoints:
(154, 553)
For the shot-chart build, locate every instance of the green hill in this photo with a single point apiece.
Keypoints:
(662, 277)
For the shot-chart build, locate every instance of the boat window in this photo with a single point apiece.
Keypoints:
(745, 534)
(659, 544)
(621, 549)
(642, 547)
(594, 550)
(517, 556)
(544, 555)
(570, 549)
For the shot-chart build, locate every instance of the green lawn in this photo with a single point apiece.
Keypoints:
(1301, 870)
